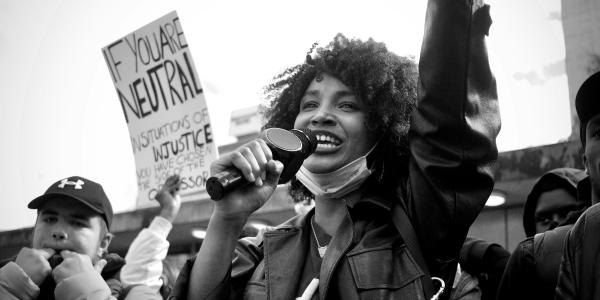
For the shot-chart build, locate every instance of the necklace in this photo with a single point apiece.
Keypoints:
(320, 248)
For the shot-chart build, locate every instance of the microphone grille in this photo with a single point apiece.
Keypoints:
(308, 139)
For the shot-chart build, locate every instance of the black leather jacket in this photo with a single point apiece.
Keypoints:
(452, 145)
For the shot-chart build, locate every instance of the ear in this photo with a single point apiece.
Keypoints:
(585, 164)
(104, 242)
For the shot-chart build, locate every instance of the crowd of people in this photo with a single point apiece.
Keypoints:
(403, 166)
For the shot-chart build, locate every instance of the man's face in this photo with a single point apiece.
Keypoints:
(591, 156)
(552, 209)
(67, 224)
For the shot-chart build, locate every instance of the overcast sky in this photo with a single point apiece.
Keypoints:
(60, 116)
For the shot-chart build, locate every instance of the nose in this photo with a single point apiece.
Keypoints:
(59, 234)
(553, 224)
(558, 218)
(322, 117)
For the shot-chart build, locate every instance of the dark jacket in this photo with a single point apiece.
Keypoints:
(269, 266)
(532, 270)
(579, 276)
(452, 146)
(485, 261)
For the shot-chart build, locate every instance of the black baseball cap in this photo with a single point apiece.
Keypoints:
(587, 102)
(80, 189)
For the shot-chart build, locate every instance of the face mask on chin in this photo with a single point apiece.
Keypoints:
(338, 183)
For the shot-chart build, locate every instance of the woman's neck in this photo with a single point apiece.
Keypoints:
(329, 212)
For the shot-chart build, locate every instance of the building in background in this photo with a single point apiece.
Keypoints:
(581, 28)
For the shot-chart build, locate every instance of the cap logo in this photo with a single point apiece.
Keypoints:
(77, 185)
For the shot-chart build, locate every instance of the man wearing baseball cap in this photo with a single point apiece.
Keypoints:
(68, 258)
(579, 276)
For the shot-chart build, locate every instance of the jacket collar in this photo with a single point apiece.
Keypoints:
(290, 239)
(385, 203)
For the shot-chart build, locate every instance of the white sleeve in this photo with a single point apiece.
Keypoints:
(145, 255)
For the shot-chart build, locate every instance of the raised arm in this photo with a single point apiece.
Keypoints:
(453, 130)
(150, 247)
(213, 263)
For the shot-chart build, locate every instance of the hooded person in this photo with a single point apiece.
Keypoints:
(552, 198)
(556, 200)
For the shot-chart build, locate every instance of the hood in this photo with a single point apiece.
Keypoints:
(114, 263)
(567, 178)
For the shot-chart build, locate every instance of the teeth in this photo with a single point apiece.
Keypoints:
(328, 139)
(326, 145)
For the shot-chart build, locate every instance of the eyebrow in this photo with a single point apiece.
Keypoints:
(48, 212)
(552, 209)
(338, 94)
(341, 94)
(76, 216)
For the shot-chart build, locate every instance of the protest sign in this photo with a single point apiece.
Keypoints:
(161, 97)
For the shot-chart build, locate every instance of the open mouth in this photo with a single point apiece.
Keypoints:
(327, 140)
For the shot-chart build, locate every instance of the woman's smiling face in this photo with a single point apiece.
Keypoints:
(337, 117)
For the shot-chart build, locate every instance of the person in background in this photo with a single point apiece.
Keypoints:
(579, 276)
(485, 262)
(68, 258)
(552, 206)
(399, 152)
(147, 252)
(552, 200)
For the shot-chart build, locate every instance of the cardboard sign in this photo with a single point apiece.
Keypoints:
(164, 107)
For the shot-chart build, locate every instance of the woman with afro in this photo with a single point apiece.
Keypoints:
(401, 170)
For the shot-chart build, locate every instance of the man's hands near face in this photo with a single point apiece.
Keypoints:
(75, 263)
(34, 263)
